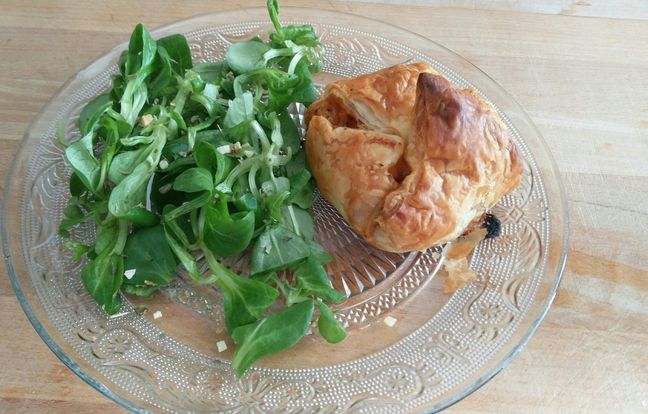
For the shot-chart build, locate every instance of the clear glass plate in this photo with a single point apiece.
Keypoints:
(441, 348)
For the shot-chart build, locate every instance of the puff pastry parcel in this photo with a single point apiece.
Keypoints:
(409, 160)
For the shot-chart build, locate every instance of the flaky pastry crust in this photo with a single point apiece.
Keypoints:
(408, 159)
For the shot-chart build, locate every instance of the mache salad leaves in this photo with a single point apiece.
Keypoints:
(181, 161)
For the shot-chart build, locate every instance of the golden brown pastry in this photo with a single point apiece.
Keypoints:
(408, 159)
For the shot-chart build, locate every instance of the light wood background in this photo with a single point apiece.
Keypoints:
(580, 68)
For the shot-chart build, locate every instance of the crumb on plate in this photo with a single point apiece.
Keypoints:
(390, 321)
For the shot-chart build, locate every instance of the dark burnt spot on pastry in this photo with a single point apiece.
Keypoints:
(431, 84)
(492, 224)
(487, 221)
(438, 98)
(449, 111)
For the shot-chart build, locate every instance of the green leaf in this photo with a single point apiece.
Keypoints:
(318, 252)
(162, 78)
(305, 91)
(279, 83)
(68, 222)
(130, 192)
(79, 249)
(276, 332)
(274, 203)
(124, 163)
(136, 140)
(297, 164)
(148, 253)
(290, 293)
(226, 234)
(215, 137)
(208, 157)
(194, 180)
(212, 71)
(246, 202)
(188, 261)
(193, 130)
(140, 290)
(111, 129)
(205, 155)
(278, 185)
(118, 81)
(174, 150)
(277, 248)
(138, 65)
(273, 12)
(106, 235)
(241, 110)
(73, 210)
(77, 188)
(195, 203)
(301, 193)
(302, 198)
(142, 217)
(289, 132)
(241, 132)
(102, 278)
(299, 221)
(177, 118)
(141, 51)
(92, 112)
(82, 160)
(180, 164)
(301, 35)
(179, 228)
(178, 51)
(209, 100)
(246, 56)
(244, 299)
(328, 325)
(311, 277)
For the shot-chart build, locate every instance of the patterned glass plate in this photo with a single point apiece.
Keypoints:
(441, 347)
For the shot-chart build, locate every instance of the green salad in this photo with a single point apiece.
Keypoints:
(179, 162)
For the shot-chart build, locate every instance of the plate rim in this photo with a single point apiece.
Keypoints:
(129, 404)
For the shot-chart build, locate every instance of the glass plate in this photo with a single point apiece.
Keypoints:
(441, 347)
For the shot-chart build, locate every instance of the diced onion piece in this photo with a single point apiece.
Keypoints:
(128, 274)
(390, 321)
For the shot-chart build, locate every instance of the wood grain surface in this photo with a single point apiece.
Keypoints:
(579, 68)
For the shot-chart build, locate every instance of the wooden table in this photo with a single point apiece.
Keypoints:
(581, 71)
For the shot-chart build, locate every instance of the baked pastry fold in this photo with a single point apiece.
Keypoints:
(406, 158)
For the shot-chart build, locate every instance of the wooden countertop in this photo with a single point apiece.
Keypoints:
(579, 68)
